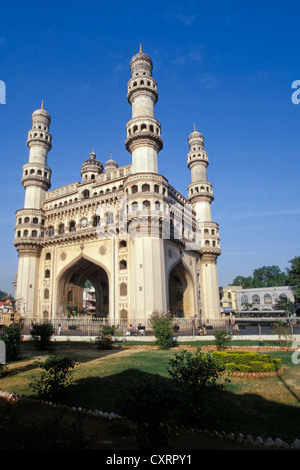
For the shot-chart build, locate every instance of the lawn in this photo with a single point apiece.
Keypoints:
(267, 406)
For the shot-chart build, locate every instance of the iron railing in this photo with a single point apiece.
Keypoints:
(91, 327)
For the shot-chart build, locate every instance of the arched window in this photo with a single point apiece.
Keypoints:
(25, 233)
(267, 299)
(96, 220)
(35, 220)
(72, 226)
(244, 299)
(146, 205)
(48, 256)
(134, 189)
(26, 220)
(123, 244)
(283, 296)
(145, 188)
(156, 188)
(50, 231)
(134, 206)
(61, 229)
(47, 274)
(70, 296)
(86, 193)
(34, 233)
(256, 299)
(123, 314)
(123, 264)
(46, 294)
(123, 289)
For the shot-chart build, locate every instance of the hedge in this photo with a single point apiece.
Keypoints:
(244, 361)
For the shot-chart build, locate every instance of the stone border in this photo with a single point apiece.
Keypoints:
(268, 443)
(257, 374)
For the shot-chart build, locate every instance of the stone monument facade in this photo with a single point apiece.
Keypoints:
(144, 246)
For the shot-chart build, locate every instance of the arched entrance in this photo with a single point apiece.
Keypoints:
(181, 292)
(71, 285)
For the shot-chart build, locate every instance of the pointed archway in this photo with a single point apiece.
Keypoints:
(71, 283)
(181, 292)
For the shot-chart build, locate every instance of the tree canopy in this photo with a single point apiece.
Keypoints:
(293, 275)
(266, 276)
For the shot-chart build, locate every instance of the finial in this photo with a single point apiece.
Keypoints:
(110, 155)
(42, 107)
(194, 127)
(141, 50)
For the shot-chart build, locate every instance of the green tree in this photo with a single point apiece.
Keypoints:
(268, 276)
(293, 276)
(245, 282)
(12, 338)
(41, 334)
(162, 329)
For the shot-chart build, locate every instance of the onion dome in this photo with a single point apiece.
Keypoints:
(110, 165)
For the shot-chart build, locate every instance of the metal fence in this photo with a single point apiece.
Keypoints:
(91, 327)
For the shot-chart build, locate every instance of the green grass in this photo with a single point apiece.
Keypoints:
(260, 406)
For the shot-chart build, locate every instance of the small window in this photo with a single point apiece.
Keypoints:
(123, 264)
(47, 274)
(61, 229)
(123, 244)
(96, 220)
(145, 188)
(123, 289)
(72, 226)
(48, 256)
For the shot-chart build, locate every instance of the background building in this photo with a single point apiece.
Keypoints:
(263, 298)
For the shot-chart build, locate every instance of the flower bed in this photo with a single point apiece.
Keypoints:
(245, 362)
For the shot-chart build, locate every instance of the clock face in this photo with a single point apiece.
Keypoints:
(84, 223)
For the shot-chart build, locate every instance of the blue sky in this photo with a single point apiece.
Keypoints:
(228, 66)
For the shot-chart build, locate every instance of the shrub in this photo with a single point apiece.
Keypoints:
(196, 370)
(105, 340)
(162, 329)
(222, 339)
(41, 334)
(12, 339)
(54, 377)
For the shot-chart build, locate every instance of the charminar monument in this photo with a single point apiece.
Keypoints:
(144, 246)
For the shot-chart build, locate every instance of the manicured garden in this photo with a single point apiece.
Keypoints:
(178, 386)
(265, 406)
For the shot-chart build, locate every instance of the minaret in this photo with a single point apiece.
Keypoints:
(145, 189)
(36, 173)
(201, 196)
(29, 228)
(143, 130)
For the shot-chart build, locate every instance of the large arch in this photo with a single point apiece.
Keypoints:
(181, 291)
(71, 282)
